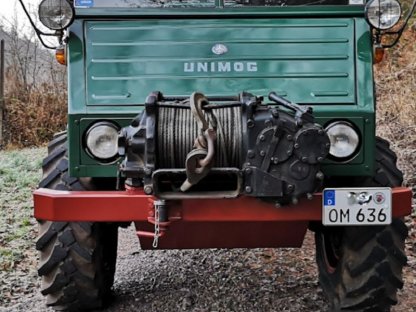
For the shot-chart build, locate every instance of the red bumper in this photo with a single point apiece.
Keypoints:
(239, 222)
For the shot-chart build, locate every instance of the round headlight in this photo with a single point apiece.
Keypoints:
(344, 139)
(383, 14)
(56, 14)
(102, 140)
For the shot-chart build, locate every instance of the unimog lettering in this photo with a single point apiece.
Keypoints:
(220, 67)
(201, 144)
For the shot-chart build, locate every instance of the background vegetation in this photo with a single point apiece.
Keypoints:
(35, 89)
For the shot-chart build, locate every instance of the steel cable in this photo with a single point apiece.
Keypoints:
(177, 131)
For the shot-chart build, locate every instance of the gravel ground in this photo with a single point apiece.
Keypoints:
(192, 280)
(219, 280)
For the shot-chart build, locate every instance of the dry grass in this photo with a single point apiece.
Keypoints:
(33, 115)
(396, 96)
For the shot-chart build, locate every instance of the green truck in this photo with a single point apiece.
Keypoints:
(221, 124)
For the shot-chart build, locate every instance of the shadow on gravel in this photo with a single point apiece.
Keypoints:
(215, 279)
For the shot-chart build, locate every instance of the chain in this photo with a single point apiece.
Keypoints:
(157, 226)
(118, 179)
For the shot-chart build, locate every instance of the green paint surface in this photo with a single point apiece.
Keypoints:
(313, 56)
(306, 60)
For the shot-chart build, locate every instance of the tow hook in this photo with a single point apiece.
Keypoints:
(199, 161)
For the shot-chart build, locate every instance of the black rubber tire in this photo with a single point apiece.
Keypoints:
(77, 259)
(360, 268)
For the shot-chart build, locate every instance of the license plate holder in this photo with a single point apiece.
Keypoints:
(356, 206)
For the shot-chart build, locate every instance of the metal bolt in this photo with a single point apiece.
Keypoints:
(295, 201)
(262, 137)
(248, 189)
(250, 123)
(262, 153)
(296, 145)
(148, 189)
(275, 113)
(320, 131)
(289, 152)
(320, 175)
(289, 137)
(309, 196)
(275, 160)
(277, 205)
(290, 188)
(250, 154)
(248, 171)
(147, 171)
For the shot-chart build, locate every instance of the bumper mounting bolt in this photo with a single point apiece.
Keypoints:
(148, 189)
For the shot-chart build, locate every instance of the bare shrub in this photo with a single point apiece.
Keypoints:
(396, 98)
(35, 98)
(32, 117)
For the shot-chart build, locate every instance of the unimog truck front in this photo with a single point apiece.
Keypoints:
(222, 124)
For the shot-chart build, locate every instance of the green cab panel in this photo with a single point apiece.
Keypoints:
(309, 61)
(319, 58)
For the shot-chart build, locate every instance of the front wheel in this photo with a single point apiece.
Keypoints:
(360, 267)
(77, 259)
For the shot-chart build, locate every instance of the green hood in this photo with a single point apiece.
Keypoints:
(309, 61)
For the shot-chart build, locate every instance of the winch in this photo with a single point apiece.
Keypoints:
(222, 147)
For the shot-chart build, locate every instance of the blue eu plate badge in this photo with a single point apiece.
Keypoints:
(329, 198)
(84, 3)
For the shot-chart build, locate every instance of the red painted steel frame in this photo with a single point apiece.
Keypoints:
(197, 223)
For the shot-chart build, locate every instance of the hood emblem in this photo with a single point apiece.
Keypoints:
(219, 49)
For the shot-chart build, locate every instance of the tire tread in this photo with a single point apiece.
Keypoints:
(74, 275)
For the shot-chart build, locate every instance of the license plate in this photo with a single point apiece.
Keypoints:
(356, 206)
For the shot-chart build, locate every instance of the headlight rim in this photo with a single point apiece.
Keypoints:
(350, 124)
(87, 149)
(71, 20)
(366, 8)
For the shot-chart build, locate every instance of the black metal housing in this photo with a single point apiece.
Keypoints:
(279, 156)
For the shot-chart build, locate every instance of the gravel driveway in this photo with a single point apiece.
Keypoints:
(219, 280)
(193, 280)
